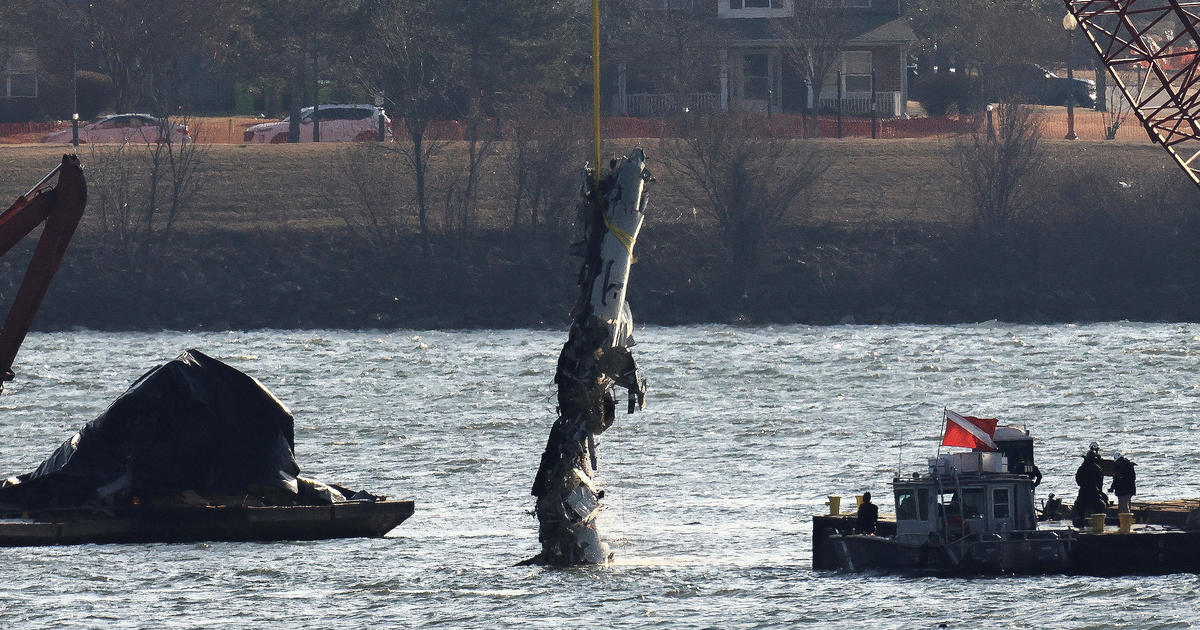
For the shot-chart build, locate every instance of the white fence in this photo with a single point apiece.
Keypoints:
(659, 104)
(886, 103)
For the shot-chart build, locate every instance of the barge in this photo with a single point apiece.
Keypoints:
(974, 514)
(351, 519)
(194, 450)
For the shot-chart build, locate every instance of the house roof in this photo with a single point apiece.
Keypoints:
(870, 30)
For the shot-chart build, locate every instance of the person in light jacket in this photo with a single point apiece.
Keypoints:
(1124, 481)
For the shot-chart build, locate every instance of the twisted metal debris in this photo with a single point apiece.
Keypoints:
(595, 359)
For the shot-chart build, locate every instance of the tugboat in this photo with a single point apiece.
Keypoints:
(974, 513)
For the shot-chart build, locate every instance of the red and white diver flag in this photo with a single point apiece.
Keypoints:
(969, 431)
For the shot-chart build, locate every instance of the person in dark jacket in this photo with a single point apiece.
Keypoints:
(1090, 477)
(1123, 483)
(868, 515)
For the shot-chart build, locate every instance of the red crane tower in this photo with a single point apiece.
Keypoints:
(1150, 49)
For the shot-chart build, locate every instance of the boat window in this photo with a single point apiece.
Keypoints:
(1000, 503)
(948, 504)
(906, 504)
(974, 503)
(923, 503)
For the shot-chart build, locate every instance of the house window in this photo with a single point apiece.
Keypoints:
(754, 8)
(755, 76)
(19, 78)
(664, 5)
(856, 70)
(855, 4)
(855, 66)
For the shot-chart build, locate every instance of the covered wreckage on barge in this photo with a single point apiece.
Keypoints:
(193, 450)
(974, 513)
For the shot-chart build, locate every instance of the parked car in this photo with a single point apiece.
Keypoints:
(1036, 84)
(117, 128)
(339, 123)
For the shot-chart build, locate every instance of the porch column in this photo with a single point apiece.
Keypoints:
(724, 79)
(622, 108)
(903, 83)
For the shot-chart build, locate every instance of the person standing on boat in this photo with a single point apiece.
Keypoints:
(1123, 483)
(1090, 478)
(868, 515)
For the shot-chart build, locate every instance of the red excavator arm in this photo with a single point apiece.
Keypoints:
(60, 208)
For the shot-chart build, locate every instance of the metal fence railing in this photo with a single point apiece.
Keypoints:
(1089, 125)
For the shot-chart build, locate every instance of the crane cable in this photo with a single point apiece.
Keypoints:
(596, 87)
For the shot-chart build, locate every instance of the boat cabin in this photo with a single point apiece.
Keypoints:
(963, 494)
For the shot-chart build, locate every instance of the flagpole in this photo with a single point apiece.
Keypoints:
(939, 451)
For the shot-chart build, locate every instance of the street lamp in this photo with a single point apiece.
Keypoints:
(1070, 23)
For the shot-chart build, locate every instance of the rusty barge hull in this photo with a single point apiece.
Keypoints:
(352, 519)
(1158, 545)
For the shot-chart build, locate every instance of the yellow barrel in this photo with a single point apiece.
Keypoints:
(1126, 522)
(1098, 523)
(835, 504)
(858, 499)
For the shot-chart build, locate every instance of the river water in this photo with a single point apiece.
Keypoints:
(710, 489)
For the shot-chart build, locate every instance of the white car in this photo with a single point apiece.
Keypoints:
(118, 128)
(339, 123)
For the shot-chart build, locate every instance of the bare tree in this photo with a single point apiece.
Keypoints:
(1114, 114)
(680, 36)
(548, 157)
(814, 37)
(992, 167)
(460, 186)
(140, 189)
(403, 63)
(745, 179)
(140, 45)
(380, 216)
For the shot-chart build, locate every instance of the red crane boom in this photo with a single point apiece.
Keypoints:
(60, 208)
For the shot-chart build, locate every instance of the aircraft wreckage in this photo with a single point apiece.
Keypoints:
(593, 362)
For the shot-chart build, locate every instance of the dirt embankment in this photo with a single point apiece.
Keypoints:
(274, 238)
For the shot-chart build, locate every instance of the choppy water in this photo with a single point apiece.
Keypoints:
(711, 489)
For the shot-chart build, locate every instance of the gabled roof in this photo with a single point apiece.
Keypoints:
(869, 30)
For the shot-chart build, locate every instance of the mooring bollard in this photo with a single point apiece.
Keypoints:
(1097, 523)
(835, 505)
(1126, 522)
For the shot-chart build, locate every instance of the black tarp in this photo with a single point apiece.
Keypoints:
(192, 424)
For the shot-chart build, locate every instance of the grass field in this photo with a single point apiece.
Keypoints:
(884, 236)
(302, 186)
